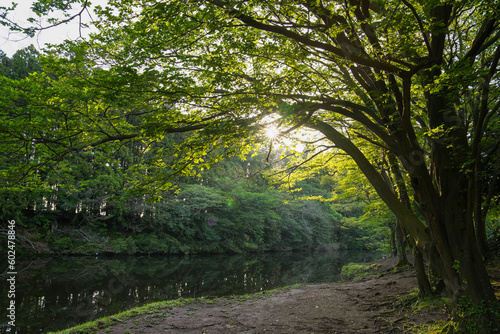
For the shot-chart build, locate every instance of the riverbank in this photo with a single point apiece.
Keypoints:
(384, 302)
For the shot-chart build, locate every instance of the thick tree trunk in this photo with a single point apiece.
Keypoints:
(403, 196)
(464, 274)
(401, 244)
(425, 289)
(399, 232)
(469, 284)
(451, 246)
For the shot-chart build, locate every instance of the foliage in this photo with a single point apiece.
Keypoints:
(22, 63)
(476, 315)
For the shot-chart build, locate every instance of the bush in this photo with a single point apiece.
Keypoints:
(121, 245)
(63, 245)
(149, 243)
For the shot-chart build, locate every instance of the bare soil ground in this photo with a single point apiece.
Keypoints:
(369, 305)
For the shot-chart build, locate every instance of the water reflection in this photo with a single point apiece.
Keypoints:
(56, 293)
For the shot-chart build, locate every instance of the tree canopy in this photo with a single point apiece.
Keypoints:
(85, 204)
(416, 81)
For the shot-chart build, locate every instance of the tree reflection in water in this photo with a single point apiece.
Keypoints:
(56, 293)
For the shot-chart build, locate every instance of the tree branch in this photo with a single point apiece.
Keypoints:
(344, 53)
(487, 28)
(411, 222)
(420, 25)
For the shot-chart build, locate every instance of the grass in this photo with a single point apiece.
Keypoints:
(354, 271)
(412, 302)
(439, 327)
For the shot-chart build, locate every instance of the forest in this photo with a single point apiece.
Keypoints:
(234, 126)
(87, 206)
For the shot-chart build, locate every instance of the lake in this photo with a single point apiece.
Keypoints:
(57, 293)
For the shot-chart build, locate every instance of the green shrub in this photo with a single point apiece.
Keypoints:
(64, 245)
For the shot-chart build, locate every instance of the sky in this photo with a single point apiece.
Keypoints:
(10, 42)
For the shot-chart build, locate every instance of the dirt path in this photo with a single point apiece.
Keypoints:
(364, 306)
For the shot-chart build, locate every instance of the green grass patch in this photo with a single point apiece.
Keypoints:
(413, 302)
(439, 327)
(353, 271)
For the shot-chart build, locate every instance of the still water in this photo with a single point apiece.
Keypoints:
(57, 293)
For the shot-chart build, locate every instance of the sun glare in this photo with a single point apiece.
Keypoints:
(272, 132)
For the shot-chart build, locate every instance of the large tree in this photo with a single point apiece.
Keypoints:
(418, 79)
